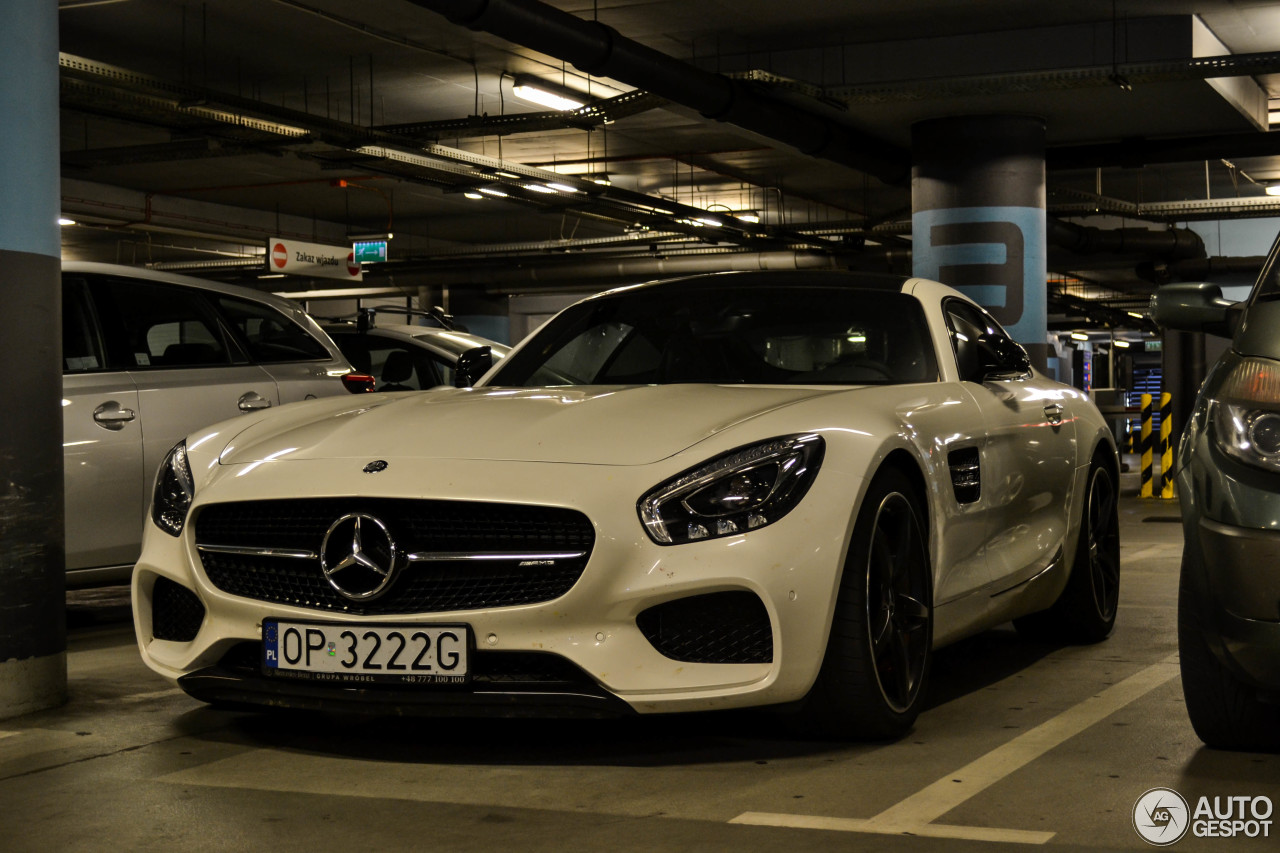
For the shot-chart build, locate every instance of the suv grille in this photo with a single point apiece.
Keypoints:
(418, 526)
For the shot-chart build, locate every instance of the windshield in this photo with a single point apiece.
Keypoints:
(723, 334)
(1268, 284)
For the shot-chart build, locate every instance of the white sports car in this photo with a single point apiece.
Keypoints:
(744, 489)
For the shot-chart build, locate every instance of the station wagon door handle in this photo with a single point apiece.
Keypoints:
(253, 401)
(1053, 413)
(111, 416)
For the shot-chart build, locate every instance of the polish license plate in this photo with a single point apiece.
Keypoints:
(340, 652)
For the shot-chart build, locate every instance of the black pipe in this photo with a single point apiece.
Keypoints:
(600, 50)
(1173, 244)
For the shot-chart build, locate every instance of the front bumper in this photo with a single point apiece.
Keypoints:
(792, 566)
(1235, 588)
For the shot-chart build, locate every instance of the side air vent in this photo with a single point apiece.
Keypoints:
(966, 474)
(176, 612)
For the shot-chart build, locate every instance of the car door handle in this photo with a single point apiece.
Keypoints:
(1053, 413)
(253, 401)
(111, 416)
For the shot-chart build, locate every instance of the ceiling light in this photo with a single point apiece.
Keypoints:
(62, 220)
(491, 191)
(1134, 314)
(547, 95)
(503, 174)
(564, 188)
(1273, 189)
(539, 188)
(748, 216)
(1079, 336)
(706, 220)
(472, 194)
(602, 180)
(1121, 344)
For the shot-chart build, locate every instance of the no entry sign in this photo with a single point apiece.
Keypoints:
(316, 260)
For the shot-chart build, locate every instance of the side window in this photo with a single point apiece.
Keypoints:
(154, 325)
(969, 325)
(269, 335)
(965, 328)
(81, 346)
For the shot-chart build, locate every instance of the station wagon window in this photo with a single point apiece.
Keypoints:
(81, 346)
(157, 326)
(270, 336)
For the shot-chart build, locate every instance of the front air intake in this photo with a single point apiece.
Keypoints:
(720, 627)
(176, 612)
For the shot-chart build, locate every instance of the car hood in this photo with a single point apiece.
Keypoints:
(632, 425)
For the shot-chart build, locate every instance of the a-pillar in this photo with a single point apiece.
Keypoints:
(978, 219)
(33, 661)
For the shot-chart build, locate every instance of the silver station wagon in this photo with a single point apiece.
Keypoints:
(146, 358)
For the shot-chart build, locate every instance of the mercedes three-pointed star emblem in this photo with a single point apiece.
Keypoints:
(358, 556)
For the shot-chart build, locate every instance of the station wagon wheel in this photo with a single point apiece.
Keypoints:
(879, 650)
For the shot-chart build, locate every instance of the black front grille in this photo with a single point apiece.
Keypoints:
(416, 526)
(176, 612)
(720, 627)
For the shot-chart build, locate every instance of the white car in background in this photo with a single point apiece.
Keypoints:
(408, 357)
(745, 489)
(148, 357)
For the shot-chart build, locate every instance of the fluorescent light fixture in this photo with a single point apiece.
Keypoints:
(540, 94)
(1079, 336)
(1121, 344)
(1134, 314)
(539, 188)
(472, 194)
(503, 174)
(602, 180)
(1273, 189)
(491, 191)
(707, 220)
(62, 220)
(564, 188)
(748, 216)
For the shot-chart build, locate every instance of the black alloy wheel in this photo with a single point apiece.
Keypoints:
(873, 675)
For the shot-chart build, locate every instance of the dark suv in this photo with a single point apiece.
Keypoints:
(1228, 478)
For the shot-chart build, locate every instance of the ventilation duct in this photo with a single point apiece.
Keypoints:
(600, 50)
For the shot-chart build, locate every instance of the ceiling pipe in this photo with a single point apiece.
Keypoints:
(1170, 245)
(600, 50)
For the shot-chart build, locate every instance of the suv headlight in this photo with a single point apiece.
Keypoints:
(173, 492)
(1246, 413)
(742, 490)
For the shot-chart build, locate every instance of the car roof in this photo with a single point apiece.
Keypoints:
(447, 340)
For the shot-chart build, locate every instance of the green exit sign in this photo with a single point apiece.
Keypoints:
(370, 252)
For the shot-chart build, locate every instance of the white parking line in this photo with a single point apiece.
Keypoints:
(141, 697)
(916, 814)
(4, 735)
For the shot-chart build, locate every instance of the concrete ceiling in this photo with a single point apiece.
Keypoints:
(193, 131)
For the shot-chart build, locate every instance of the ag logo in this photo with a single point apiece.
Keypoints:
(1161, 816)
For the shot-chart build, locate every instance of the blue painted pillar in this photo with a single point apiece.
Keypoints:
(33, 636)
(978, 217)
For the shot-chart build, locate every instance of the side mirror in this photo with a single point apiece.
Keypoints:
(1196, 307)
(472, 364)
(1001, 359)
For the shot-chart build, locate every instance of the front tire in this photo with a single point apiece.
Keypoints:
(1086, 610)
(877, 660)
(1224, 711)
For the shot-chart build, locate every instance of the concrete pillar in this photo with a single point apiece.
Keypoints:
(978, 218)
(33, 636)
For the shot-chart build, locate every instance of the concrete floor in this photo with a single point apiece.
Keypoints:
(1023, 746)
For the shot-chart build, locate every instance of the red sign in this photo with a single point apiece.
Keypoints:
(314, 260)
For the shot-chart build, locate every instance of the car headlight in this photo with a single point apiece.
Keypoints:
(743, 490)
(1246, 413)
(173, 493)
